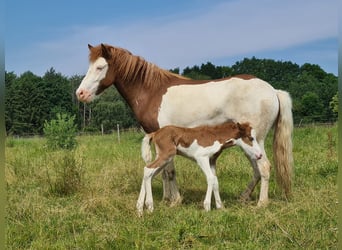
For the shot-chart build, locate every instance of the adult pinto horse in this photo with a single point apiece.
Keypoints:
(159, 98)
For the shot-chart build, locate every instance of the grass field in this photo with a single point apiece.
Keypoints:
(95, 207)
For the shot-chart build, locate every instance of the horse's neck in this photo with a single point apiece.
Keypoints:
(129, 92)
(142, 101)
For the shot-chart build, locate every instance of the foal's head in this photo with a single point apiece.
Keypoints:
(246, 139)
(98, 77)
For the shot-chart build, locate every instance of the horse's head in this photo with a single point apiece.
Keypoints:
(247, 141)
(98, 77)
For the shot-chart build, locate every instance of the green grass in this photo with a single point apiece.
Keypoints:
(101, 213)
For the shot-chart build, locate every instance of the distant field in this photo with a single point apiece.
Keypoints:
(99, 211)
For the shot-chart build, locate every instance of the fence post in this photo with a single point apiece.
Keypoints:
(118, 130)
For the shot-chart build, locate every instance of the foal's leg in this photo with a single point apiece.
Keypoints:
(150, 171)
(141, 199)
(170, 189)
(212, 183)
(216, 185)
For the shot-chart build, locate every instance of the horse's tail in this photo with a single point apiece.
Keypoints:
(282, 142)
(146, 148)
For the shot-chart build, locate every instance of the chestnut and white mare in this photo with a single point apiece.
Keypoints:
(203, 144)
(159, 98)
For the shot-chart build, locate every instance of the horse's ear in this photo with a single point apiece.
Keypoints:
(105, 52)
(89, 46)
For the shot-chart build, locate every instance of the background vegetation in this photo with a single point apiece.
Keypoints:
(31, 99)
(100, 213)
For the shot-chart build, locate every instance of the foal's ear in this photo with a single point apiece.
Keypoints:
(105, 51)
(239, 126)
(89, 46)
(242, 126)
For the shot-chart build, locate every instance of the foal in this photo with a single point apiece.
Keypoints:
(203, 144)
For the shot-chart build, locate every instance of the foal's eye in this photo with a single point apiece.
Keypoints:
(251, 138)
(99, 68)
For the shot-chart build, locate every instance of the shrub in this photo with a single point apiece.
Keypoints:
(61, 132)
(66, 176)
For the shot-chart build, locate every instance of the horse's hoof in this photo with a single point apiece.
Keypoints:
(140, 213)
(176, 201)
(245, 198)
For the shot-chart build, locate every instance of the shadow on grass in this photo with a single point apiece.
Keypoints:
(195, 197)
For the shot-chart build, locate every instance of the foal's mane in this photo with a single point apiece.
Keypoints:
(133, 69)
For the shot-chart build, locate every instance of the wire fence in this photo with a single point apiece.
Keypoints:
(119, 130)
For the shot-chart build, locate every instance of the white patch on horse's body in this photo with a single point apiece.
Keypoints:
(208, 104)
(195, 149)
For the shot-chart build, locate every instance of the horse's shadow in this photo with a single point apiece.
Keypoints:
(195, 197)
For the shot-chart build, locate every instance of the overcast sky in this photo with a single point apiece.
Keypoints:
(42, 34)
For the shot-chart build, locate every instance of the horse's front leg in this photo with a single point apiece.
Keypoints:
(170, 188)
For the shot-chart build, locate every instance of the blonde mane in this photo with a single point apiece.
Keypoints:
(134, 69)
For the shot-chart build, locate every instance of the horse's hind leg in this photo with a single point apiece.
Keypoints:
(246, 195)
(170, 188)
(264, 167)
(261, 170)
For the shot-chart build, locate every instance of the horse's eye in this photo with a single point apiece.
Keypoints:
(251, 138)
(99, 68)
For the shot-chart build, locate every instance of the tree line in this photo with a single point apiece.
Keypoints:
(30, 100)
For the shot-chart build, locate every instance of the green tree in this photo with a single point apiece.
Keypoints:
(314, 70)
(10, 78)
(58, 91)
(334, 104)
(25, 102)
(30, 100)
(311, 107)
(109, 110)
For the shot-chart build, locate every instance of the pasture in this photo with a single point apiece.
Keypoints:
(100, 211)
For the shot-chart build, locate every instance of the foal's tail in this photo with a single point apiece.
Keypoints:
(282, 142)
(146, 148)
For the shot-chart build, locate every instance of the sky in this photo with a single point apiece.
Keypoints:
(41, 34)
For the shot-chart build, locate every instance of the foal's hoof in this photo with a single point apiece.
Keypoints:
(220, 207)
(262, 203)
